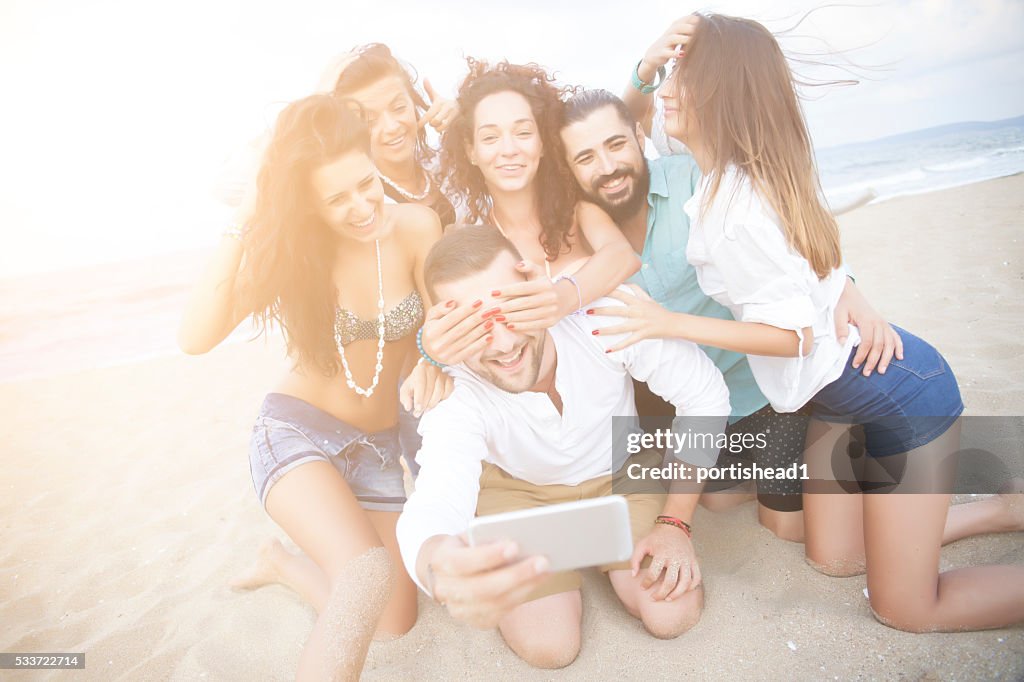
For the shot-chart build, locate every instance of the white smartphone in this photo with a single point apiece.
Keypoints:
(571, 535)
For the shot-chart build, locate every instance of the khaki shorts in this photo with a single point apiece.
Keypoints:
(501, 492)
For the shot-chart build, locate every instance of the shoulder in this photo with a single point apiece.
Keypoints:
(736, 200)
(415, 225)
(675, 166)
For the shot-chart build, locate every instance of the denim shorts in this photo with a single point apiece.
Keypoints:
(912, 404)
(290, 432)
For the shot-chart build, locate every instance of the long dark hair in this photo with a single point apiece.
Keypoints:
(374, 62)
(289, 252)
(555, 183)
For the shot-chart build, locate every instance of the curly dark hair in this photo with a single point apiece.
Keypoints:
(556, 186)
(373, 62)
(289, 252)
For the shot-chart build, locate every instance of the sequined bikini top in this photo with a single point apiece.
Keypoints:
(399, 321)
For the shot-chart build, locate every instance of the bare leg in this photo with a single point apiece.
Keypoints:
(400, 614)
(833, 518)
(315, 506)
(275, 564)
(663, 619)
(545, 632)
(904, 533)
(999, 514)
(786, 525)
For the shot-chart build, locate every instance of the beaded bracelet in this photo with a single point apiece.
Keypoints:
(419, 345)
(678, 523)
(579, 292)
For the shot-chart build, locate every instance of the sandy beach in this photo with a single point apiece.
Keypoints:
(127, 505)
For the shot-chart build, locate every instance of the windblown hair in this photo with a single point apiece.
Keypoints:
(289, 251)
(555, 185)
(737, 90)
(374, 62)
(464, 250)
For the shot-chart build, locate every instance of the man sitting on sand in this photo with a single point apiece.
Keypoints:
(530, 424)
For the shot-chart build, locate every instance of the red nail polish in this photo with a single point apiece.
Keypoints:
(492, 311)
(590, 311)
(477, 304)
(510, 326)
(450, 304)
(495, 293)
(499, 318)
(488, 324)
(489, 339)
(596, 332)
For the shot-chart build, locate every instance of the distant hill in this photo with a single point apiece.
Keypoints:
(938, 131)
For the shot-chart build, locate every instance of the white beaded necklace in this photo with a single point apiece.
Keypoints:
(367, 392)
(408, 195)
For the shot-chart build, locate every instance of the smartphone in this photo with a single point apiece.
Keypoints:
(571, 535)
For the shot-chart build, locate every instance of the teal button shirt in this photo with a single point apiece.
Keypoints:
(666, 275)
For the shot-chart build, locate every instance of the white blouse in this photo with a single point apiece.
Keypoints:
(744, 262)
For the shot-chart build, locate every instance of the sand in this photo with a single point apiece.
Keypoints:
(127, 506)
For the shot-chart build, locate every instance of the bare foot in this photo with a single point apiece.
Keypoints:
(264, 571)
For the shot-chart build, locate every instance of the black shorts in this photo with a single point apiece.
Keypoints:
(783, 438)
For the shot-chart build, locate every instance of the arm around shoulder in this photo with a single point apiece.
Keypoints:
(613, 261)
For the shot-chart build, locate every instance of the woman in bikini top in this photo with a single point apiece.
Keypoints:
(342, 279)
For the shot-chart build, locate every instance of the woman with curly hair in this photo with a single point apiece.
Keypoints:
(503, 159)
(340, 272)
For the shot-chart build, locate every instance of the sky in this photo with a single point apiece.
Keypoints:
(119, 115)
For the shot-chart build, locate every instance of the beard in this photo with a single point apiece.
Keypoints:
(524, 380)
(626, 207)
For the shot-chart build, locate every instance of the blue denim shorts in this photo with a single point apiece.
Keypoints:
(912, 404)
(290, 432)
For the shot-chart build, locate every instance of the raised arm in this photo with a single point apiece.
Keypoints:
(668, 46)
(214, 309)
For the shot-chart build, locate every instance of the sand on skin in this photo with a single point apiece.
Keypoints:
(127, 505)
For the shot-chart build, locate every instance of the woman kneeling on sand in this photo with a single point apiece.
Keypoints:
(340, 272)
(764, 245)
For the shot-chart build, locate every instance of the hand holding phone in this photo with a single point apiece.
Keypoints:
(570, 535)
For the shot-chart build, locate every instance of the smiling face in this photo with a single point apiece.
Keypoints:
(607, 158)
(506, 144)
(349, 196)
(680, 122)
(391, 117)
(513, 361)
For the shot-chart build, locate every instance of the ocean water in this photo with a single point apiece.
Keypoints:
(923, 161)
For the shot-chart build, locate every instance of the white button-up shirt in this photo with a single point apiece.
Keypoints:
(524, 434)
(744, 262)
